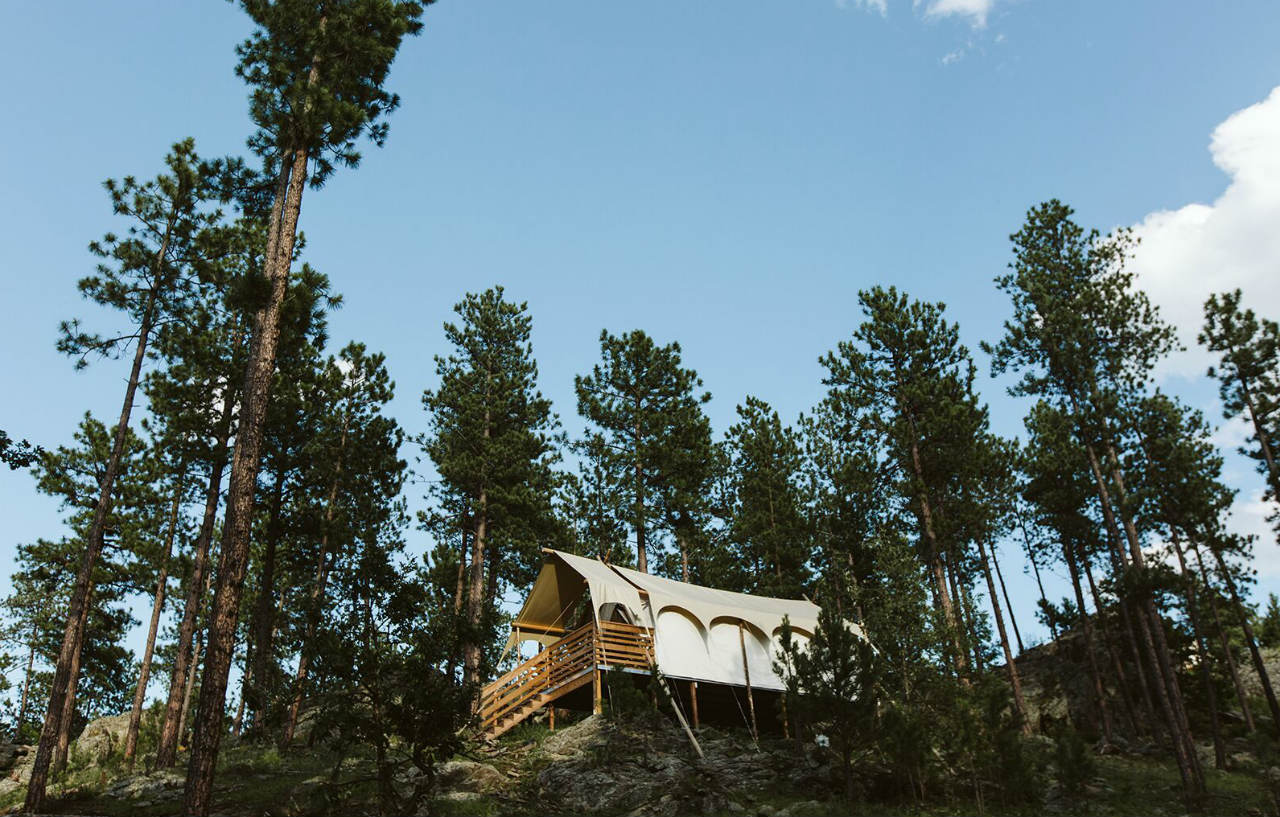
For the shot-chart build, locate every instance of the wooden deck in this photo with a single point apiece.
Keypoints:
(563, 667)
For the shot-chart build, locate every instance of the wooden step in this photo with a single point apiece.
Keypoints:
(517, 716)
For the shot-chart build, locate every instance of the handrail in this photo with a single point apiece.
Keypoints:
(521, 667)
(606, 645)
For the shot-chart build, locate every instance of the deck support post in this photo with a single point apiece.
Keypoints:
(746, 674)
(693, 699)
(552, 717)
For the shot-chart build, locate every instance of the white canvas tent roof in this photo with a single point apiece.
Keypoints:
(697, 634)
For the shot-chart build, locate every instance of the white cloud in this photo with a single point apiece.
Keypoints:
(975, 11)
(1189, 253)
(953, 56)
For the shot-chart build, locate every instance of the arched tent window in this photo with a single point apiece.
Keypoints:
(726, 647)
(681, 645)
(616, 612)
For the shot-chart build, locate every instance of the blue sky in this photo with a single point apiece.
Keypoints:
(728, 175)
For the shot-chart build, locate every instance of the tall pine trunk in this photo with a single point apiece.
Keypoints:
(221, 638)
(77, 610)
(186, 693)
(1151, 631)
(1008, 605)
(1246, 710)
(1035, 568)
(264, 610)
(1202, 653)
(144, 673)
(26, 687)
(1014, 680)
(1264, 439)
(475, 596)
(1086, 625)
(1117, 663)
(1242, 613)
(167, 747)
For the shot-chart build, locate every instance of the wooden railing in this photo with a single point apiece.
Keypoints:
(623, 646)
(584, 650)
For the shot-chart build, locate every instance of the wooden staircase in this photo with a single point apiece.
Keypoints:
(564, 666)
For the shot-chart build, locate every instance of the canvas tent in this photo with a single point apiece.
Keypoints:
(699, 633)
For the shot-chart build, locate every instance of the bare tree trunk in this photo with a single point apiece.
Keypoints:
(144, 673)
(1242, 613)
(221, 638)
(245, 681)
(26, 687)
(167, 746)
(1035, 568)
(264, 611)
(642, 555)
(934, 556)
(1004, 591)
(1202, 652)
(1264, 439)
(1014, 680)
(63, 746)
(1151, 629)
(186, 694)
(1117, 665)
(1099, 690)
(1245, 709)
(475, 598)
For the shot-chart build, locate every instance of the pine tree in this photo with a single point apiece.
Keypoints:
(317, 74)
(1269, 628)
(834, 677)
(1082, 335)
(906, 379)
(146, 275)
(355, 462)
(647, 410)
(493, 441)
(767, 524)
(1248, 374)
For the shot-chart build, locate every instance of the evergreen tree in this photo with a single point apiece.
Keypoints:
(907, 380)
(655, 441)
(1248, 374)
(317, 74)
(1269, 628)
(354, 461)
(834, 678)
(493, 441)
(147, 276)
(1082, 336)
(768, 528)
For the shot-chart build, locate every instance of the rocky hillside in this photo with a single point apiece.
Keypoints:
(597, 766)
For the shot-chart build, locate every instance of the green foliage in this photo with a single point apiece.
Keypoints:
(834, 681)
(767, 527)
(654, 445)
(1269, 628)
(17, 454)
(1074, 762)
(317, 73)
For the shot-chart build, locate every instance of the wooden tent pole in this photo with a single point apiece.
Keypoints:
(693, 697)
(746, 674)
